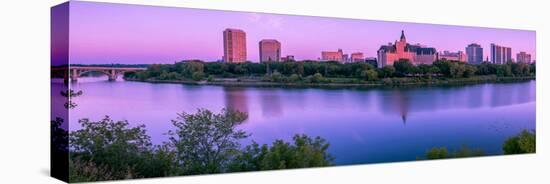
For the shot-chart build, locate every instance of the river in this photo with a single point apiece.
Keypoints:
(361, 125)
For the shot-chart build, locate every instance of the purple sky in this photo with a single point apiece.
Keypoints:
(102, 33)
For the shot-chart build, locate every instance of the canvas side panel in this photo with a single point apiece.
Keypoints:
(59, 58)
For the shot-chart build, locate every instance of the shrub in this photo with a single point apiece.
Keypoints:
(197, 76)
(316, 78)
(524, 142)
(277, 77)
(294, 78)
(302, 153)
(205, 142)
(210, 78)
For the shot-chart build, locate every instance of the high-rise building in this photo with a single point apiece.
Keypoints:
(475, 53)
(500, 54)
(523, 57)
(453, 56)
(270, 50)
(234, 45)
(333, 56)
(357, 57)
(416, 54)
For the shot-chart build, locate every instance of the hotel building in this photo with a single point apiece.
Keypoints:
(475, 53)
(416, 54)
(234, 45)
(523, 57)
(270, 50)
(500, 54)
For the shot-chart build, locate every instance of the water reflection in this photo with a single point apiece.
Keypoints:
(236, 98)
(402, 102)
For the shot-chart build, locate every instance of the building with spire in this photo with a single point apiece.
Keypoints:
(416, 54)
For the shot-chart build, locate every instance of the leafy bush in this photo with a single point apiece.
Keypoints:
(197, 76)
(369, 75)
(294, 78)
(109, 146)
(316, 78)
(205, 142)
(302, 153)
(524, 142)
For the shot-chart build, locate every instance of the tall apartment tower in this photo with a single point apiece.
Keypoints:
(234, 46)
(500, 54)
(270, 50)
(475, 53)
(523, 57)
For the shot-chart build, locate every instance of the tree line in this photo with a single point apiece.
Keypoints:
(318, 72)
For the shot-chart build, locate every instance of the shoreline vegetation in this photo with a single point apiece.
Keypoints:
(332, 74)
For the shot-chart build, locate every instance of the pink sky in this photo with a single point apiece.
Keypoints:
(103, 33)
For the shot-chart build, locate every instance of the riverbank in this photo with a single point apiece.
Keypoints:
(346, 82)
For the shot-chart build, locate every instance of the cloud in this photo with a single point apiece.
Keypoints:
(266, 21)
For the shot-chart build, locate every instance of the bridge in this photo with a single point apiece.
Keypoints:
(74, 72)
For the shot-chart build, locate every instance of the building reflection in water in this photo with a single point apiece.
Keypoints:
(395, 102)
(403, 102)
(236, 99)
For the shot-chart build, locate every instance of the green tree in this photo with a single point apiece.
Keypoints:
(469, 71)
(112, 145)
(388, 71)
(305, 152)
(197, 76)
(205, 142)
(403, 67)
(302, 153)
(277, 77)
(524, 142)
(369, 75)
(215, 68)
(437, 153)
(294, 78)
(191, 67)
(316, 78)
(456, 69)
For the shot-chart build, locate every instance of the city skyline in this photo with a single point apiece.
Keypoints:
(166, 35)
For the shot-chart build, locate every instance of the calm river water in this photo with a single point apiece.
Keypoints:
(362, 125)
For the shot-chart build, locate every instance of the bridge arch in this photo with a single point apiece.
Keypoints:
(111, 72)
